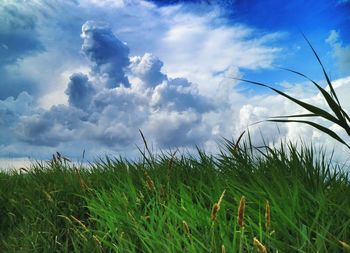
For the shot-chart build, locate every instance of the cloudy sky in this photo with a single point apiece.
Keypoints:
(88, 74)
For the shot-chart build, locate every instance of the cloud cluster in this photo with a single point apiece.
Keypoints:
(168, 109)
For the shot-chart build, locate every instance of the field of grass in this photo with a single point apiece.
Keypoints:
(295, 201)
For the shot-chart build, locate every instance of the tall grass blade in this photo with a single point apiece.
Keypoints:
(335, 107)
(311, 108)
(324, 71)
(315, 125)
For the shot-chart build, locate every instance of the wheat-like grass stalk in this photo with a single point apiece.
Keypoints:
(241, 208)
(259, 246)
(216, 207)
(149, 182)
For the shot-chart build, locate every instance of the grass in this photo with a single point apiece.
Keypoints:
(180, 203)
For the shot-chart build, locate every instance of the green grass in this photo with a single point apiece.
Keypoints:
(164, 203)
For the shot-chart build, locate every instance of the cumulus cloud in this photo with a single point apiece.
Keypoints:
(106, 52)
(111, 115)
(148, 69)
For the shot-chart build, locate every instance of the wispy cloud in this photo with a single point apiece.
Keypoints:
(340, 52)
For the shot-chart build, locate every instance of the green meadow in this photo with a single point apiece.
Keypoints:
(296, 200)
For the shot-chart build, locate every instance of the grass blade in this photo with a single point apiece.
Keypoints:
(324, 71)
(311, 108)
(315, 125)
(335, 107)
(296, 116)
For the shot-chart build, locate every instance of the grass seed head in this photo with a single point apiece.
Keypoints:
(240, 216)
(223, 250)
(216, 207)
(259, 246)
(214, 211)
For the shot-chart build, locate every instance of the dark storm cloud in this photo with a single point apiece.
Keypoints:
(18, 35)
(19, 38)
(13, 83)
(107, 53)
(80, 91)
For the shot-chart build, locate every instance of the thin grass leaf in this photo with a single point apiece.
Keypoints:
(335, 107)
(319, 127)
(296, 116)
(324, 71)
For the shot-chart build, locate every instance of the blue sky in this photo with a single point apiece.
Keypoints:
(88, 74)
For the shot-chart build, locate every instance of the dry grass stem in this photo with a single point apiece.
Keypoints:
(223, 250)
(94, 237)
(216, 207)
(259, 246)
(267, 216)
(79, 222)
(345, 246)
(241, 208)
(185, 228)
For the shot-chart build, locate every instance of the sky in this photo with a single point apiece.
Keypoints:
(84, 76)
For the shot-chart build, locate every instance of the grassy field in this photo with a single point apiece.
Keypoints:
(289, 200)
